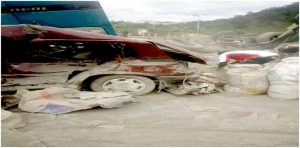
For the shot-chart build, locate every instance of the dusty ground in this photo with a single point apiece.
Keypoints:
(166, 120)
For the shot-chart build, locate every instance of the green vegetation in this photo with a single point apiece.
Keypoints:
(272, 19)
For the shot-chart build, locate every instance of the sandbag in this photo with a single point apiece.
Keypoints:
(284, 79)
(247, 79)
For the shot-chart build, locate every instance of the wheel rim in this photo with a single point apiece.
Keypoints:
(124, 85)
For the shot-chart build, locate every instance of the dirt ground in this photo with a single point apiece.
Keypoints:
(163, 119)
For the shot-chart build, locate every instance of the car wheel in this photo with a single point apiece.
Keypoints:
(135, 85)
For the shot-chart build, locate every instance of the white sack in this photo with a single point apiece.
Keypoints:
(284, 79)
(247, 79)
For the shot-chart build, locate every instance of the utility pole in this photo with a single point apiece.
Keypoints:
(198, 18)
(198, 26)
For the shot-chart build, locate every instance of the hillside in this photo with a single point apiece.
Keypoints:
(272, 19)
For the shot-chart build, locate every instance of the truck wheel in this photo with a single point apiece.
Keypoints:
(135, 85)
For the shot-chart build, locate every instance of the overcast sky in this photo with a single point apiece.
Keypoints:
(183, 10)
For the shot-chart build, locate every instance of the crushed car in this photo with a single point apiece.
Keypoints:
(37, 57)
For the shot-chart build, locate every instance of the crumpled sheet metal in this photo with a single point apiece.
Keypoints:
(58, 100)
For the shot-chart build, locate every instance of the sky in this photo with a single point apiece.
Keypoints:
(183, 10)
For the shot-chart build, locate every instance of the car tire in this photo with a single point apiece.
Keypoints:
(135, 85)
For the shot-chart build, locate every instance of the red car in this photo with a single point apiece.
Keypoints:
(35, 57)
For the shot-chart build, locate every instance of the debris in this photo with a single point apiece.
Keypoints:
(95, 124)
(209, 78)
(206, 83)
(249, 115)
(255, 115)
(245, 115)
(203, 116)
(267, 36)
(203, 112)
(112, 127)
(287, 49)
(268, 116)
(58, 100)
(12, 100)
(204, 109)
(192, 88)
(9, 101)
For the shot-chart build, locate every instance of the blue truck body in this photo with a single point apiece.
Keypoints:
(62, 14)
